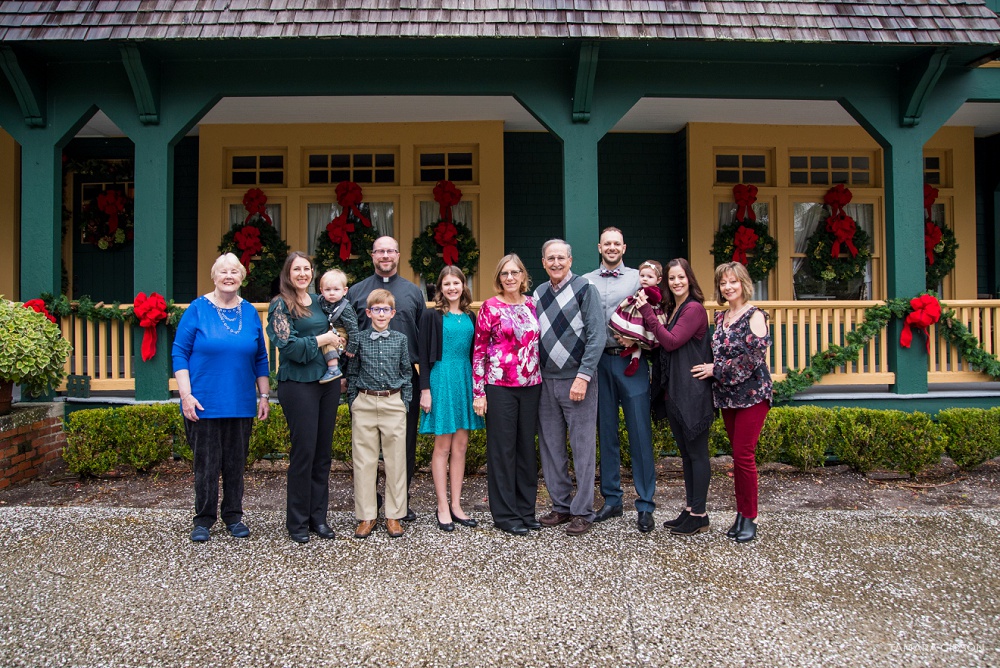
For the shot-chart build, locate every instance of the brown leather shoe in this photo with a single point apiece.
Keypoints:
(394, 528)
(364, 529)
(554, 518)
(578, 526)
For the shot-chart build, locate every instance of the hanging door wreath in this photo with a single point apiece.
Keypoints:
(446, 242)
(840, 249)
(346, 242)
(939, 243)
(745, 240)
(259, 247)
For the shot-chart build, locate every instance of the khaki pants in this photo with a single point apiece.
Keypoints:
(379, 423)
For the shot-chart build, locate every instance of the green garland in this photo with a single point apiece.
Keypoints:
(876, 319)
(266, 265)
(327, 255)
(763, 257)
(425, 253)
(944, 257)
(86, 308)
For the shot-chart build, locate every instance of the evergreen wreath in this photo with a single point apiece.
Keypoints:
(259, 247)
(939, 243)
(107, 220)
(839, 250)
(746, 240)
(359, 264)
(445, 242)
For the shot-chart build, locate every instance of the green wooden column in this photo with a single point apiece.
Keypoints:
(41, 213)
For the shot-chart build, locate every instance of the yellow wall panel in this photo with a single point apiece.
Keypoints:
(10, 216)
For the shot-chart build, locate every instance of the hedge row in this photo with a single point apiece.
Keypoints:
(140, 436)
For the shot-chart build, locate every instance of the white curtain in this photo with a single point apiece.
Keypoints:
(320, 215)
(727, 214)
(808, 218)
(238, 213)
(430, 213)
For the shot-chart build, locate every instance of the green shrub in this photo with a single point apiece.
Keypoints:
(90, 442)
(140, 436)
(973, 434)
(867, 439)
(919, 443)
(269, 436)
(718, 439)
(806, 435)
(861, 439)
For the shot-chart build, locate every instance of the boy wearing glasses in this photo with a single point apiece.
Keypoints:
(379, 393)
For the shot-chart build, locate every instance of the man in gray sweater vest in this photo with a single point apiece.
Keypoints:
(572, 333)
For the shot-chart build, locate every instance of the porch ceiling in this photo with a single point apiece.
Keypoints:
(648, 115)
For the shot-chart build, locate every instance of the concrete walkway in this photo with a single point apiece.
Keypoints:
(92, 586)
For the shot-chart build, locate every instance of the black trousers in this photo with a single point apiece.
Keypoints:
(311, 412)
(220, 447)
(511, 458)
(697, 468)
(412, 423)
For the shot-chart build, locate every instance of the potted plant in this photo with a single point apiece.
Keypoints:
(33, 352)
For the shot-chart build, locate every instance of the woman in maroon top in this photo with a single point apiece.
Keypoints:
(742, 387)
(684, 343)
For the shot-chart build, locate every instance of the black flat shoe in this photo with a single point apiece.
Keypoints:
(464, 521)
(532, 524)
(737, 525)
(645, 521)
(299, 537)
(444, 526)
(747, 532)
(323, 531)
(607, 512)
(513, 529)
(670, 524)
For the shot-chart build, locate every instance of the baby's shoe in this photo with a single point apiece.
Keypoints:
(332, 373)
(632, 367)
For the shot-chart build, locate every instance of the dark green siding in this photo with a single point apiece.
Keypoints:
(987, 184)
(186, 220)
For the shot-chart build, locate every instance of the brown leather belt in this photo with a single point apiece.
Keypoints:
(379, 393)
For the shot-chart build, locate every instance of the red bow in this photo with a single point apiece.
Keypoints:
(842, 227)
(446, 235)
(254, 201)
(932, 237)
(926, 312)
(930, 194)
(745, 239)
(837, 198)
(447, 196)
(38, 306)
(745, 196)
(112, 203)
(150, 311)
(248, 240)
(339, 230)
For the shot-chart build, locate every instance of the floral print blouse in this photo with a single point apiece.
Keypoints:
(505, 348)
(741, 375)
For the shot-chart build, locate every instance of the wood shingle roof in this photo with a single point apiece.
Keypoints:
(927, 22)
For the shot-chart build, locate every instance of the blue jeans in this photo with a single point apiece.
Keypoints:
(632, 394)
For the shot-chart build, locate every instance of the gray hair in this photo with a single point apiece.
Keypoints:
(545, 246)
(229, 260)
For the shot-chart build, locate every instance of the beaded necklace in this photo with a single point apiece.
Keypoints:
(226, 319)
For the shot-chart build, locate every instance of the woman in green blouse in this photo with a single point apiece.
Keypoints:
(299, 329)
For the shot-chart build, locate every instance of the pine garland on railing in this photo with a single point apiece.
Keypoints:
(85, 307)
(876, 319)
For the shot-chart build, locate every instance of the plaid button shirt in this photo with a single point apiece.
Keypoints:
(380, 364)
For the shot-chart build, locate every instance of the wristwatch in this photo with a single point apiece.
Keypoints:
(265, 395)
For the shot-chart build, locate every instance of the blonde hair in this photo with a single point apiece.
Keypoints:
(229, 260)
(335, 276)
(525, 279)
(381, 296)
(741, 274)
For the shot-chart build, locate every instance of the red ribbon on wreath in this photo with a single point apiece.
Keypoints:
(248, 241)
(447, 196)
(930, 194)
(254, 202)
(745, 196)
(38, 306)
(349, 196)
(150, 311)
(339, 230)
(932, 237)
(843, 228)
(744, 240)
(926, 312)
(446, 236)
(837, 198)
(111, 202)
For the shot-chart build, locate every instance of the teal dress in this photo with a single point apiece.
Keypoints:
(451, 380)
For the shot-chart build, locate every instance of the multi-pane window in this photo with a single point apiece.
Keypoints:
(263, 168)
(751, 167)
(936, 171)
(360, 166)
(457, 165)
(827, 169)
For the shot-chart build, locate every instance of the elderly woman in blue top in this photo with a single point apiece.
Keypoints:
(219, 357)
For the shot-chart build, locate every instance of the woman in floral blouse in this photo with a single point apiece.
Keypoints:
(742, 387)
(507, 379)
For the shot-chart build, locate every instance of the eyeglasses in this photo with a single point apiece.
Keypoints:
(384, 251)
(511, 274)
(380, 310)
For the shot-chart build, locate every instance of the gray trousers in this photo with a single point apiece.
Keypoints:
(559, 417)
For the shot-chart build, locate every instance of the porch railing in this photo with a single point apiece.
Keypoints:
(104, 350)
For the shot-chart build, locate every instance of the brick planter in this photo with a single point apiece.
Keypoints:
(31, 442)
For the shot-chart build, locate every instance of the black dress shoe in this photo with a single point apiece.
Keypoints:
(607, 512)
(410, 516)
(323, 531)
(645, 521)
(532, 524)
(464, 521)
(444, 526)
(747, 532)
(737, 525)
(299, 537)
(513, 529)
(670, 524)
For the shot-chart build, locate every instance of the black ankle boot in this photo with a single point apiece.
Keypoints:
(747, 532)
(737, 525)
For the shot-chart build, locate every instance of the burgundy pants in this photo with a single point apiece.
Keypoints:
(743, 426)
